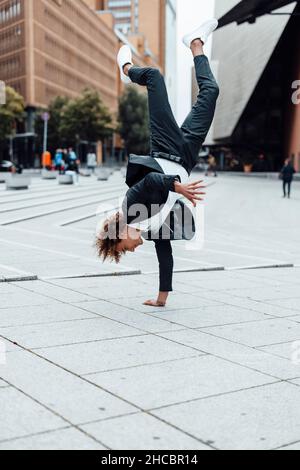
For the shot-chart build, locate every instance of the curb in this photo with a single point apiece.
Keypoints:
(19, 278)
(197, 270)
(267, 266)
(88, 276)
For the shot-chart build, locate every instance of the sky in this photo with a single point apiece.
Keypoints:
(190, 14)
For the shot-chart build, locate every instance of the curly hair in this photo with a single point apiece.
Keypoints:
(109, 238)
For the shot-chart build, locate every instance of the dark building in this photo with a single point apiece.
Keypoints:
(258, 73)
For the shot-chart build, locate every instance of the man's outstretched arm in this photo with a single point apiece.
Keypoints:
(161, 182)
(158, 182)
(166, 264)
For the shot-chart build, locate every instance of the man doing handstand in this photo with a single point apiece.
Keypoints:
(159, 180)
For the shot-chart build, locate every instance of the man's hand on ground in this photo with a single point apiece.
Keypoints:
(160, 302)
(154, 303)
(191, 191)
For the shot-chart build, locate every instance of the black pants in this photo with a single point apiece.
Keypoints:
(166, 135)
(287, 184)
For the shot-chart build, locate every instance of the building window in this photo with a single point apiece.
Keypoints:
(11, 39)
(10, 11)
(119, 3)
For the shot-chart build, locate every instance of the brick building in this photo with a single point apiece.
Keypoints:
(47, 49)
(150, 27)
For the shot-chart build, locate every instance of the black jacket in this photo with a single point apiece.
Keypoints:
(150, 186)
(288, 172)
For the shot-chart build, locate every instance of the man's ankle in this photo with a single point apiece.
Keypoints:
(197, 42)
(126, 68)
(197, 47)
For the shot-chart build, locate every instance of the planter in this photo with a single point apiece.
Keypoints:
(65, 179)
(49, 175)
(18, 182)
(3, 178)
(86, 172)
(103, 174)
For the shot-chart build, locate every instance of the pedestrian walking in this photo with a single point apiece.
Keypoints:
(58, 160)
(47, 160)
(287, 175)
(72, 155)
(91, 160)
(212, 166)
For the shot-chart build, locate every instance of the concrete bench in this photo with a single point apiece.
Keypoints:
(49, 175)
(3, 177)
(103, 174)
(18, 182)
(65, 179)
(86, 172)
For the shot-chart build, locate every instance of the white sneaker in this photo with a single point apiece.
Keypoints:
(124, 57)
(203, 32)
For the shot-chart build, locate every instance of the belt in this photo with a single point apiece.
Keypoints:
(168, 156)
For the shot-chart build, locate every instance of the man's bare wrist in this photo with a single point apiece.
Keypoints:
(177, 186)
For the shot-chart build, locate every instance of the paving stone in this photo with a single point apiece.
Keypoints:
(244, 420)
(296, 381)
(275, 276)
(153, 434)
(61, 391)
(107, 288)
(221, 284)
(30, 315)
(292, 303)
(257, 306)
(259, 360)
(69, 332)
(7, 347)
(266, 277)
(157, 385)
(140, 320)
(258, 334)
(3, 384)
(63, 439)
(100, 356)
(289, 350)
(7, 288)
(268, 294)
(54, 292)
(21, 415)
(295, 446)
(20, 299)
(176, 301)
(210, 316)
(92, 325)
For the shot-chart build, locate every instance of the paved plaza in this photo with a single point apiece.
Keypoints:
(84, 365)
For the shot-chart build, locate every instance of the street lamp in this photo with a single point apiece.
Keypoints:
(45, 118)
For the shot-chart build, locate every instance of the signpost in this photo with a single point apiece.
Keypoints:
(45, 117)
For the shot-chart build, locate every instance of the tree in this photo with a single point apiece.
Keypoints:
(55, 110)
(86, 118)
(11, 113)
(134, 121)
